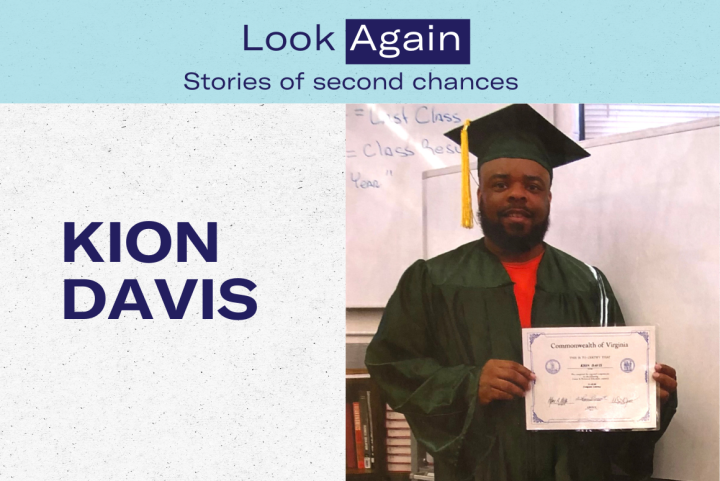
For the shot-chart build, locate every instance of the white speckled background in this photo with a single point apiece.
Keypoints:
(103, 399)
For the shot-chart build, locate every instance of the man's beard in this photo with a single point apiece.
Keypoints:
(512, 243)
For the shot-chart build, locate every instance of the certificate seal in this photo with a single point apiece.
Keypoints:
(552, 366)
(627, 365)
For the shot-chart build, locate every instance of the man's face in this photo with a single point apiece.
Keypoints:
(514, 198)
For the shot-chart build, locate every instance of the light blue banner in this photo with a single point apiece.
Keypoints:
(558, 51)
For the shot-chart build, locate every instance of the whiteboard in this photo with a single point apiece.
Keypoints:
(644, 209)
(388, 147)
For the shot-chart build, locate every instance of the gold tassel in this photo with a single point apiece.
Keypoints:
(467, 213)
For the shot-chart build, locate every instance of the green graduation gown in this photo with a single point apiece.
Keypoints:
(449, 316)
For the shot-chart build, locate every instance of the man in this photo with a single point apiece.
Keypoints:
(448, 351)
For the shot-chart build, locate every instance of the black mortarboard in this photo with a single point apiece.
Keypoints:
(517, 131)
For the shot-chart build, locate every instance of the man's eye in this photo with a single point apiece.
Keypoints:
(499, 185)
(534, 188)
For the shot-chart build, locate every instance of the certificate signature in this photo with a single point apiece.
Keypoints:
(591, 378)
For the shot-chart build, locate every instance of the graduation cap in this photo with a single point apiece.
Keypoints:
(517, 131)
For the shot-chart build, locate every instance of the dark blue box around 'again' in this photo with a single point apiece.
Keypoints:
(419, 42)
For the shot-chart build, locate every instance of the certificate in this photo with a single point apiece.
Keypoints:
(591, 378)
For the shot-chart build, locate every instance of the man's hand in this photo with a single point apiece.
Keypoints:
(666, 380)
(503, 380)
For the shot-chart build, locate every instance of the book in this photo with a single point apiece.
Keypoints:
(398, 433)
(404, 441)
(399, 459)
(398, 450)
(393, 415)
(351, 456)
(399, 468)
(396, 424)
(372, 434)
(359, 446)
(365, 424)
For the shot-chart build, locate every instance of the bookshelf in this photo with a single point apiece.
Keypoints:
(357, 380)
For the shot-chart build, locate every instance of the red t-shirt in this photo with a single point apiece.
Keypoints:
(524, 275)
